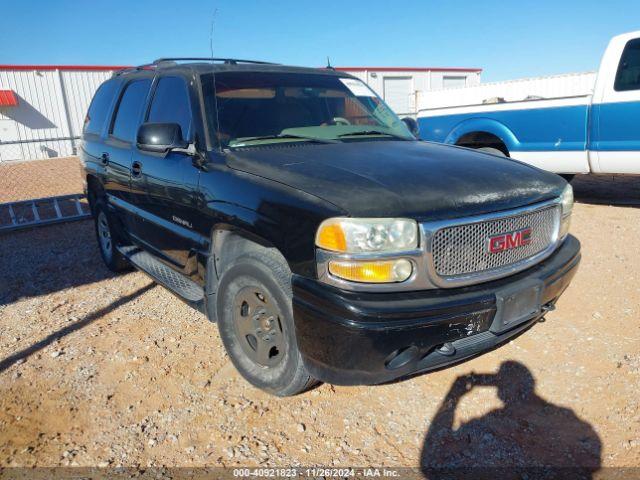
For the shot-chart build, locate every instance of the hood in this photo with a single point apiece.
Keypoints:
(420, 180)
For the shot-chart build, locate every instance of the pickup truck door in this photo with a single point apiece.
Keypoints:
(115, 156)
(164, 186)
(615, 113)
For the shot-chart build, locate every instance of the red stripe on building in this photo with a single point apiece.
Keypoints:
(63, 67)
(408, 69)
(8, 98)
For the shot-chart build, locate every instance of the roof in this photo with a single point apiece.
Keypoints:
(408, 69)
(8, 98)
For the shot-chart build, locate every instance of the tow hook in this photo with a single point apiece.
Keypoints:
(549, 307)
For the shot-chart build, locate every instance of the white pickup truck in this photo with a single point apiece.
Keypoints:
(589, 129)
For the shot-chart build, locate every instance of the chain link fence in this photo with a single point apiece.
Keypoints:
(41, 191)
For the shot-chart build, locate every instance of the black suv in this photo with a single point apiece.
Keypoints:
(293, 207)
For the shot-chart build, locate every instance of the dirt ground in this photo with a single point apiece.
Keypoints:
(39, 178)
(103, 370)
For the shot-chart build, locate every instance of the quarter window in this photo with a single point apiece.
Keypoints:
(170, 104)
(628, 76)
(127, 119)
(99, 108)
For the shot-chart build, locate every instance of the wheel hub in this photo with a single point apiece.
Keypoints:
(257, 325)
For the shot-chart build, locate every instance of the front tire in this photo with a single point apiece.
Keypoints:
(255, 320)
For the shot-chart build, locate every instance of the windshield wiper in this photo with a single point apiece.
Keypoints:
(283, 136)
(373, 132)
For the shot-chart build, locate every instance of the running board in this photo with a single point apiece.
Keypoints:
(175, 282)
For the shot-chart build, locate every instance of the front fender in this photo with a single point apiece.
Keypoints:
(486, 125)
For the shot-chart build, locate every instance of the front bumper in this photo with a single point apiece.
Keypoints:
(350, 338)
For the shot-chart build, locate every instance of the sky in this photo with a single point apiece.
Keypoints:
(507, 39)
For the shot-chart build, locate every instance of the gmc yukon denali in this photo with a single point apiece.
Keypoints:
(296, 210)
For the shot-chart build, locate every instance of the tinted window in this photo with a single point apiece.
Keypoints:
(127, 118)
(628, 76)
(171, 104)
(99, 108)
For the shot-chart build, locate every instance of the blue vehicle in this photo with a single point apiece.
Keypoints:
(597, 132)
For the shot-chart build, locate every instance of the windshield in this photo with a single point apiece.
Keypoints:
(271, 107)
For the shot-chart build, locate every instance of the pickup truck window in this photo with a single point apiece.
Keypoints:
(268, 107)
(628, 75)
(127, 116)
(170, 104)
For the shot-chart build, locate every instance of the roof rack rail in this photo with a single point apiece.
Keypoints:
(229, 61)
(146, 66)
(172, 61)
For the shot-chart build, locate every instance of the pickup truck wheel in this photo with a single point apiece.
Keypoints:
(492, 151)
(108, 239)
(255, 320)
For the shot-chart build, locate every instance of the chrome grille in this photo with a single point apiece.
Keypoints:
(462, 250)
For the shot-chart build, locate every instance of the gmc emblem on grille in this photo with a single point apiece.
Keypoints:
(509, 241)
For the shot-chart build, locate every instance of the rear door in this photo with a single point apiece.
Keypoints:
(615, 130)
(92, 148)
(119, 145)
(164, 185)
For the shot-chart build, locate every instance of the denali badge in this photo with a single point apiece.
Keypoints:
(509, 241)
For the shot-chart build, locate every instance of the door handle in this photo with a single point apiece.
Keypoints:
(104, 158)
(136, 169)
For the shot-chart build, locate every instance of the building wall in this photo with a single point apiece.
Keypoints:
(421, 81)
(52, 104)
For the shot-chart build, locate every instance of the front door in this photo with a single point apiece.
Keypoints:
(164, 186)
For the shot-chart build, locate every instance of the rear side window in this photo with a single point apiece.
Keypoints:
(170, 104)
(628, 76)
(125, 125)
(99, 108)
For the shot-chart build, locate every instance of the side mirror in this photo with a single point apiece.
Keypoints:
(412, 125)
(160, 137)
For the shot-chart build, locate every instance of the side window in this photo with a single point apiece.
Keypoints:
(628, 76)
(170, 104)
(125, 125)
(99, 108)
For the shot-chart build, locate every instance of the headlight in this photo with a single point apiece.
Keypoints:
(367, 235)
(566, 202)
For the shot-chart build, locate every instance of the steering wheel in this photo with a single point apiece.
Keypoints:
(340, 121)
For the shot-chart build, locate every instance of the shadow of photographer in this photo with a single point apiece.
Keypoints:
(526, 436)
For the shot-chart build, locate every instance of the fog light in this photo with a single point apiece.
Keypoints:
(376, 271)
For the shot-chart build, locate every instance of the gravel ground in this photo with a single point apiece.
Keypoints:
(99, 370)
(25, 180)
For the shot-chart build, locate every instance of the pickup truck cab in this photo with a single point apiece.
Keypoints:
(293, 208)
(594, 133)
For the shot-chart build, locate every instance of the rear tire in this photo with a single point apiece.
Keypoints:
(492, 151)
(255, 321)
(108, 239)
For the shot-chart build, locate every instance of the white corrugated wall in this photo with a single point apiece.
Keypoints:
(51, 107)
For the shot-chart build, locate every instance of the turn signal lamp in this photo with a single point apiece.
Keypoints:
(372, 271)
